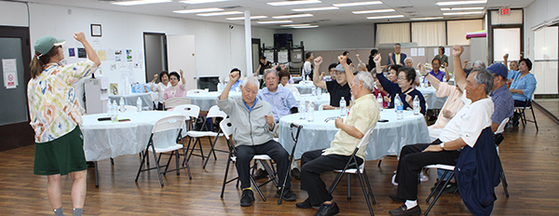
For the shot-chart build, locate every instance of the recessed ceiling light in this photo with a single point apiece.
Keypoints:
(243, 18)
(386, 17)
(291, 25)
(462, 13)
(307, 26)
(427, 18)
(315, 9)
(199, 10)
(373, 11)
(446, 3)
(201, 1)
(219, 13)
(357, 4)
(140, 2)
(285, 3)
(275, 22)
(461, 9)
(293, 16)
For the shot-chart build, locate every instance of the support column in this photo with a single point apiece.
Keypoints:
(248, 43)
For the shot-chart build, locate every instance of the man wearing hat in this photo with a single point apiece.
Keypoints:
(500, 94)
(337, 88)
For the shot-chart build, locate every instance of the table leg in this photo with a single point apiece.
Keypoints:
(96, 175)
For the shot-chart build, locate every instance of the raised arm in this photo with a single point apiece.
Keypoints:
(317, 81)
(233, 77)
(505, 58)
(459, 74)
(154, 78)
(432, 79)
(183, 78)
(348, 72)
(91, 54)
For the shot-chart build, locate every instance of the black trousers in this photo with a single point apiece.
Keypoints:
(412, 160)
(271, 148)
(313, 163)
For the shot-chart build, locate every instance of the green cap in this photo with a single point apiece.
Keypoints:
(44, 44)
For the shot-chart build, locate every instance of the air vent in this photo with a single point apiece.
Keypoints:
(405, 7)
(231, 7)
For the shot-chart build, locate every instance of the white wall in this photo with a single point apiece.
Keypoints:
(336, 37)
(536, 13)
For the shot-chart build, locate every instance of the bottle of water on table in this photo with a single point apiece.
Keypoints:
(399, 107)
(310, 111)
(139, 105)
(416, 105)
(380, 101)
(121, 103)
(302, 108)
(343, 109)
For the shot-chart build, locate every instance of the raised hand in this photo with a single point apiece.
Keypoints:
(269, 119)
(390, 55)
(506, 56)
(79, 36)
(342, 59)
(421, 69)
(377, 59)
(155, 76)
(457, 50)
(318, 60)
(234, 76)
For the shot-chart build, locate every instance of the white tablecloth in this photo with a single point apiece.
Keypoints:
(304, 87)
(130, 99)
(387, 139)
(432, 101)
(206, 100)
(107, 139)
(324, 98)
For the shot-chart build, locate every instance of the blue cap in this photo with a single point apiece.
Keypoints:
(499, 69)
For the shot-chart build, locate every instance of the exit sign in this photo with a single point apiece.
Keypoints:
(505, 11)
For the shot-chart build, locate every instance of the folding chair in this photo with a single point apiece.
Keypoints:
(360, 171)
(522, 111)
(439, 190)
(174, 122)
(173, 102)
(227, 129)
(498, 139)
(214, 112)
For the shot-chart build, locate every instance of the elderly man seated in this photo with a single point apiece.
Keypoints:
(339, 87)
(253, 123)
(363, 116)
(464, 129)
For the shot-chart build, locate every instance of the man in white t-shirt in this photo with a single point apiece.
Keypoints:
(307, 72)
(463, 129)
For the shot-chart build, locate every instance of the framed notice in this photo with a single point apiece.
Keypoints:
(96, 30)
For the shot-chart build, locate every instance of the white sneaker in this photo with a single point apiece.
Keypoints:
(423, 177)
(394, 180)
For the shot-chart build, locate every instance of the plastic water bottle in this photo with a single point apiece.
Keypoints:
(114, 110)
(416, 105)
(121, 103)
(313, 91)
(399, 107)
(302, 108)
(318, 93)
(109, 108)
(380, 101)
(310, 111)
(343, 108)
(139, 105)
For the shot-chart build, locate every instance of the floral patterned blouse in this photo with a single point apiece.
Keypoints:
(53, 106)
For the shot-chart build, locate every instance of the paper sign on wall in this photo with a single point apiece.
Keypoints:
(413, 51)
(420, 51)
(10, 73)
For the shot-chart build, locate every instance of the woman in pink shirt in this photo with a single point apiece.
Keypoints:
(175, 90)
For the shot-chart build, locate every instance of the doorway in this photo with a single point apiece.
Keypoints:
(507, 40)
(14, 118)
(256, 52)
(155, 52)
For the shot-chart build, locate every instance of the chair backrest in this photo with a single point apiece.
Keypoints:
(321, 107)
(169, 123)
(188, 110)
(226, 128)
(173, 102)
(216, 112)
(501, 127)
(195, 91)
(365, 139)
(128, 108)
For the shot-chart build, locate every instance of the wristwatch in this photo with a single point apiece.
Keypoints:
(442, 146)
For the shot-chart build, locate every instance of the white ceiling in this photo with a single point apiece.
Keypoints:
(343, 16)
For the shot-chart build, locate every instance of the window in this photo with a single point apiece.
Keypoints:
(429, 33)
(393, 33)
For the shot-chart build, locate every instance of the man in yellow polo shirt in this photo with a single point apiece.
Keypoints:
(363, 115)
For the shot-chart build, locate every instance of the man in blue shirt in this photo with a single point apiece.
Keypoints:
(236, 85)
(501, 96)
(282, 100)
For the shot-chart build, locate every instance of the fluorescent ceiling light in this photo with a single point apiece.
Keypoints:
(308, 26)
(201, 1)
(461, 9)
(275, 22)
(427, 18)
(293, 16)
(219, 13)
(286, 3)
(357, 4)
(386, 17)
(293, 25)
(460, 2)
(199, 10)
(373, 11)
(315, 9)
(243, 18)
(462, 13)
(140, 2)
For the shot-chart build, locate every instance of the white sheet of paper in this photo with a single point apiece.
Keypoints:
(9, 67)
(420, 51)
(413, 51)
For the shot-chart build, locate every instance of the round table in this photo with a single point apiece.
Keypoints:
(431, 99)
(324, 98)
(305, 87)
(206, 100)
(130, 99)
(107, 139)
(387, 139)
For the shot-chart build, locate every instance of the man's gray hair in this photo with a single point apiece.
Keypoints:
(367, 79)
(484, 77)
(410, 58)
(251, 80)
(270, 70)
(478, 64)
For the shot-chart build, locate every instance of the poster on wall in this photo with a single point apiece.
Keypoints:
(114, 88)
(72, 52)
(82, 53)
(118, 54)
(9, 67)
(128, 55)
(413, 52)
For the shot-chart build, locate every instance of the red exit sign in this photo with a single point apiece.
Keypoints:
(504, 11)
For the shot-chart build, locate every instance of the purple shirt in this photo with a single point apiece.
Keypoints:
(439, 76)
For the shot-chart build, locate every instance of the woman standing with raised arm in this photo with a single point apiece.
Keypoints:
(55, 117)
